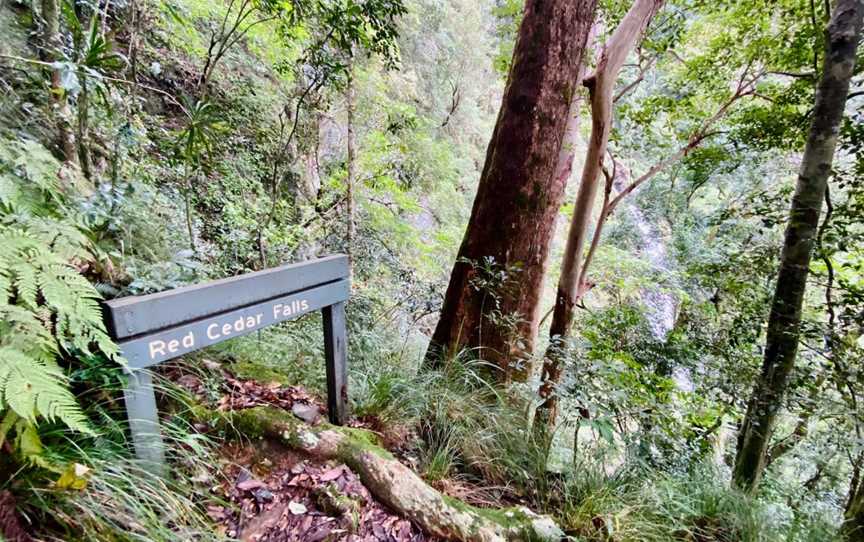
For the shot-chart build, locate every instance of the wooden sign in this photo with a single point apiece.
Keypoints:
(154, 328)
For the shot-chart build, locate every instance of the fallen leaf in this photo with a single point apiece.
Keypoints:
(297, 508)
(74, 477)
(332, 474)
(248, 485)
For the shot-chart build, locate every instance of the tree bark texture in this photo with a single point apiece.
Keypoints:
(601, 86)
(518, 197)
(11, 528)
(843, 34)
(63, 114)
(390, 481)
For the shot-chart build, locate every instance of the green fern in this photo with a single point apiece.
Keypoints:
(34, 387)
(46, 307)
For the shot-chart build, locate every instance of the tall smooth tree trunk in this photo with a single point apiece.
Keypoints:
(518, 197)
(53, 44)
(350, 99)
(601, 86)
(843, 34)
(574, 291)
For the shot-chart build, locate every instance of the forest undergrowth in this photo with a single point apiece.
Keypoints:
(151, 145)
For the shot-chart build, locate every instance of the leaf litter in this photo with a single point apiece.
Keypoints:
(274, 494)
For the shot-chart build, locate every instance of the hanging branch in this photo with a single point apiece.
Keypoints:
(744, 87)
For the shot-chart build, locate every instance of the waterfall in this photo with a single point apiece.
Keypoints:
(661, 305)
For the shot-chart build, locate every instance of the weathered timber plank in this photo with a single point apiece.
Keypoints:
(136, 315)
(154, 348)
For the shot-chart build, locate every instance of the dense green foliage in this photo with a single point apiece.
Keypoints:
(211, 141)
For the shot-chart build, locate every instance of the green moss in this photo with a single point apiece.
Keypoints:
(25, 19)
(261, 373)
(363, 440)
(510, 519)
(507, 517)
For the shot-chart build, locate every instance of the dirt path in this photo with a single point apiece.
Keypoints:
(274, 494)
(278, 495)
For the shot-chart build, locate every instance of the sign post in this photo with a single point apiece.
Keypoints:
(154, 328)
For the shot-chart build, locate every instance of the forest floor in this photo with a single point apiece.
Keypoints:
(272, 493)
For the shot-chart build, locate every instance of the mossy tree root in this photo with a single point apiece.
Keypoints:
(392, 482)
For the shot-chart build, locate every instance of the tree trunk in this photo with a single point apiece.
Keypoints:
(575, 290)
(601, 86)
(844, 31)
(390, 481)
(187, 203)
(350, 180)
(852, 528)
(53, 44)
(135, 22)
(518, 197)
(84, 129)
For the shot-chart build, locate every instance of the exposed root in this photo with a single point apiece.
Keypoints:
(392, 482)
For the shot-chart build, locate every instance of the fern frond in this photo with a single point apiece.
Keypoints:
(65, 240)
(23, 329)
(26, 283)
(32, 387)
(45, 303)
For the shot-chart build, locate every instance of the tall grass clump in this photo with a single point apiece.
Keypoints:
(104, 494)
(637, 503)
(469, 429)
(475, 433)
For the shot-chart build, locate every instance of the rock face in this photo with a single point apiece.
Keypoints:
(393, 483)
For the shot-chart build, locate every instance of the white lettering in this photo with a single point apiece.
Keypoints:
(211, 334)
(226, 329)
(258, 318)
(157, 347)
(284, 311)
(189, 340)
(250, 322)
(172, 345)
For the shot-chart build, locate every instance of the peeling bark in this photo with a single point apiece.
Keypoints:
(518, 196)
(390, 481)
(843, 35)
